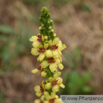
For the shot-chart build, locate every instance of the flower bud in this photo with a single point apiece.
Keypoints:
(45, 37)
(40, 28)
(54, 34)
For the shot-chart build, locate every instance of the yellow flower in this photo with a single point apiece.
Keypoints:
(39, 90)
(48, 53)
(33, 38)
(41, 57)
(48, 86)
(53, 67)
(58, 100)
(56, 40)
(55, 53)
(36, 44)
(61, 66)
(62, 85)
(54, 35)
(35, 71)
(37, 101)
(56, 74)
(36, 40)
(34, 51)
(46, 93)
(61, 46)
(43, 73)
(45, 37)
(44, 64)
(46, 45)
(60, 80)
(55, 88)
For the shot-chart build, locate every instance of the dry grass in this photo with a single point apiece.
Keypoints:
(75, 28)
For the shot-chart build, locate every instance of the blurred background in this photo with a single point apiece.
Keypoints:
(78, 23)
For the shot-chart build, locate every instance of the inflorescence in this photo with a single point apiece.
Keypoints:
(49, 48)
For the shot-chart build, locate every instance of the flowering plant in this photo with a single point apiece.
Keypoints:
(49, 48)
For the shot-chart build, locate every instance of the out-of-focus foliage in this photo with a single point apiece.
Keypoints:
(77, 84)
(14, 44)
(34, 2)
(81, 4)
(74, 59)
(59, 3)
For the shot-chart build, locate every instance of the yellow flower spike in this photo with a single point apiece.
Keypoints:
(48, 53)
(48, 86)
(41, 57)
(34, 51)
(48, 47)
(44, 64)
(61, 66)
(43, 74)
(35, 71)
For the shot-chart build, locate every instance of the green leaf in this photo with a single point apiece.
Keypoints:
(71, 64)
(85, 7)
(88, 89)
(5, 53)
(68, 56)
(66, 75)
(75, 82)
(4, 38)
(6, 29)
(87, 76)
(1, 95)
